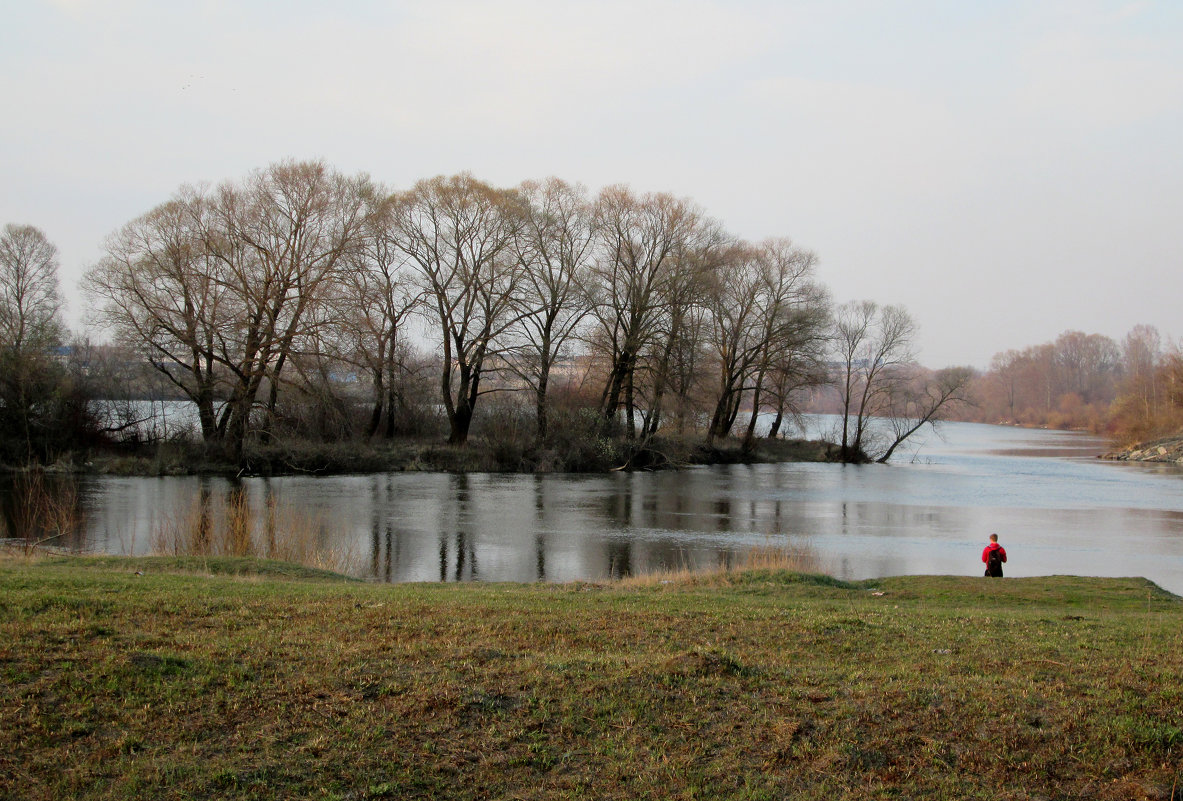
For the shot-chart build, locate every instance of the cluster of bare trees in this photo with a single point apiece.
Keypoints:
(299, 287)
(298, 276)
(688, 318)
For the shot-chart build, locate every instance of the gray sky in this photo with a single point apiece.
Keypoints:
(1005, 170)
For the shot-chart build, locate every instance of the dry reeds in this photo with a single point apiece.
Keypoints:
(41, 512)
(792, 559)
(228, 526)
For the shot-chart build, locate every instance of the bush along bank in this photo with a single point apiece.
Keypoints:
(597, 455)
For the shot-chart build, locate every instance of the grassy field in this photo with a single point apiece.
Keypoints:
(232, 678)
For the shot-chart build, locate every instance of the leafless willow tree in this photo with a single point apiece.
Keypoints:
(1006, 371)
(280, 239)
(1087, 365)
(873, 343)
(795, 373)
(218, 286)
(30, 303)
(697, 259)
(459, 235)
(1141, 352)
(555, 247)
(736, 332)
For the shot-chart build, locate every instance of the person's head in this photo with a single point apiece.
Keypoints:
(993, 538)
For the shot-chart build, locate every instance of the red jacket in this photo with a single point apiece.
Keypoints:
(994, 546)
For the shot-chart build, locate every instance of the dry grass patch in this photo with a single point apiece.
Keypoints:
(771, 685)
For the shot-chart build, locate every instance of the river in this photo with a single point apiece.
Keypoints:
(1056, 508)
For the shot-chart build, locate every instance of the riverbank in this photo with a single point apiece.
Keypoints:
(1167, 449)
(430, 455)
(144, 678)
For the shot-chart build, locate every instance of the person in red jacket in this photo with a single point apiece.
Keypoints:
(994, 555)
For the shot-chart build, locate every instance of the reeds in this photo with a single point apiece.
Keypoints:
(786, 558)
(41, 513)
(228, 526)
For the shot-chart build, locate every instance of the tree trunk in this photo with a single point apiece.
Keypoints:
(718, 417)
(272, 399)
(205, 413)
(460, 418)
(237, 422)
(460, 422)
(774, 429)
(391, 397)
(617, 382)
(541, 412)
(379, 396)
(630, 407)
(750, 434)
(732, 411)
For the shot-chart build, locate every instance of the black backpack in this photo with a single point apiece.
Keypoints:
(994, 562)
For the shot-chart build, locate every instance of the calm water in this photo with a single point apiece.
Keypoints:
(1056, 509)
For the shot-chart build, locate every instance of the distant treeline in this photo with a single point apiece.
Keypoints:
(1131, 390)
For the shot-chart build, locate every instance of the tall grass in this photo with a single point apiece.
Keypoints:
(227, 526)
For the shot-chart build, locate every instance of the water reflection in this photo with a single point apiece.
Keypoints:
(929, 514)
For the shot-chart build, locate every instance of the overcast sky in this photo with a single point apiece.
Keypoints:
(1005, 170)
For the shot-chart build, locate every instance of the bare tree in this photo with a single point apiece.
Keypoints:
(1087, 365)
(459, 233)
(872, 343)
(697, 260)
(924, 401)
(161, 294)
(219, 285)
(555, 245)
(1141, 356)
(766, 311)
(793, 372)
(1007, 368)
(30, 327)
(639, 239)
(795, 314)
(280, 238)
(735, 332)
(374, 299)
(30, 305)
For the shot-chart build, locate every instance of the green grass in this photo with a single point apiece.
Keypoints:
(222, 678)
